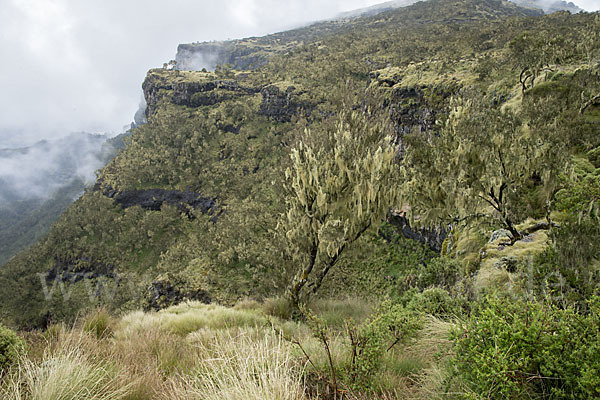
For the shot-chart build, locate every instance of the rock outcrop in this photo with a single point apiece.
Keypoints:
(279, 104)
(153, 199)
(434, 238)
(189, 89)
(73, 270)
(164, 293)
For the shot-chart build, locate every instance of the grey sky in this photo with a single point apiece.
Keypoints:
(588, 5)
(78, 65)
(73, 65)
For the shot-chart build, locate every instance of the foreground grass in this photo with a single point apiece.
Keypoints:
(197, 351)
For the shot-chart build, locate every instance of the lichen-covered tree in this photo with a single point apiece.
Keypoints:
(481, 164)
(341, 182)
(535, 52)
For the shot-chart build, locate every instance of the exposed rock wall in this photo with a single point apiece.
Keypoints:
(153, 199)
(279, 104)
(434, 238)
(73, 270)
(189, 92)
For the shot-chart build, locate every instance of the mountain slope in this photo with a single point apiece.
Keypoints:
(39, 182)
(189, 208)
(549, 6)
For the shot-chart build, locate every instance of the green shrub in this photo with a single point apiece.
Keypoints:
(437, 302)
(440, 271)
(568, 272)
(11, 347)
(99, 323)
(520, 350)
(390, 325)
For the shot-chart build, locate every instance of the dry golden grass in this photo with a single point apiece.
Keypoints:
(241, 367)
(197, 351)
(70, 369)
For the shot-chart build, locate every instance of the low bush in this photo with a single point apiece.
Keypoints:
(354, 360)
(11, 347)
(521, 350)
(437, 302)
(440, 271)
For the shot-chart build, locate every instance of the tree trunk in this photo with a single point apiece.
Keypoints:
(333, 260)
(296, 288)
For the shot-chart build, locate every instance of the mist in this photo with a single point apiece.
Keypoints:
(78, 65)
(36, 172)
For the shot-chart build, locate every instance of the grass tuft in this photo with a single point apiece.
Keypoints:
(242, 368)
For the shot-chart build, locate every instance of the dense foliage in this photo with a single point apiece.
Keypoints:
(521, 350)
(11, 348)
(339, 187)
(493, 117)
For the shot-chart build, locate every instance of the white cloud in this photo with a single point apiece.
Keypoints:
(73, 65)
(588, 5)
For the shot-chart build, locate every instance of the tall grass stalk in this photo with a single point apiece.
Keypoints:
(242, 368)
(67, 373)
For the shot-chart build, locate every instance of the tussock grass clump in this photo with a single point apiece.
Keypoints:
(11, 347)
(336, 311)
(242, 368)
(67, 371)
(99, 323)
(279, 307)
(189, 317)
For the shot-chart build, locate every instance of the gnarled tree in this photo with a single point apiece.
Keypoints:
(481, 164)
(340, 184)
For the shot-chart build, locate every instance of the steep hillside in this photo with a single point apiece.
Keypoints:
(39, 182)
(549, 6)
(254, 52)
(189, 209)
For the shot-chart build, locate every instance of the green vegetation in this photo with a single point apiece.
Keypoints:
(474, 119)
(481, 160)
(521, 350)
(339, 187)
(11, 347)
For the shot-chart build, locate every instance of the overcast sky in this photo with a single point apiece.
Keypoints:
(78, 65)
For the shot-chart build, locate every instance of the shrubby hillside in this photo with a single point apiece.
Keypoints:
(439, 160)
(39, 182)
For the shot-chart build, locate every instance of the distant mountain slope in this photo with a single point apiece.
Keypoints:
(376, 9)
(188, 210)
(23, 222)
(251, 53)
(39, 182)
(549, 6)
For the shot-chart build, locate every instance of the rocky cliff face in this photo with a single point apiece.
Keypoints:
(153, 199)
(191, 89)
(196, 56)
(433, 237)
